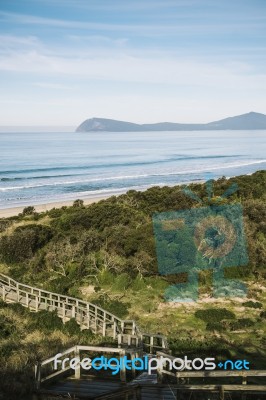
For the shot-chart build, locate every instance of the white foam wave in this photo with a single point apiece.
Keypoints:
(123, 177)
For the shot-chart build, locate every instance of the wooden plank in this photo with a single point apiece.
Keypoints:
(54, 374)
(227, 388)
(121, 392)
(100, 349)
(219, 374)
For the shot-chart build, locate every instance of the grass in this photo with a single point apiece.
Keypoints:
(177, 320)
(33, 337)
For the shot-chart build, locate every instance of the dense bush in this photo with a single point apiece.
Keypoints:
(241, 323)
(6, 327)
(72, 327)
(117, 234)
(24, 242)
(4, 224)
(46, 321)
(214, 326)
(115, 307)
(198, 348)
(252, 304)
(211, 315)
(28, 210)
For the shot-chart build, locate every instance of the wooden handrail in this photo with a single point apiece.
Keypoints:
(87, 314)
(41, 374)
(244, 374)
(17, 285)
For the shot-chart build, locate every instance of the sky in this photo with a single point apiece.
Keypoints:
(63, 61)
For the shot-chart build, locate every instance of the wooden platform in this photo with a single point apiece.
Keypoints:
(146, 389)
(89, 389)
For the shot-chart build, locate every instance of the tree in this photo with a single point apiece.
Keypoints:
(78, 203)
(28, 210)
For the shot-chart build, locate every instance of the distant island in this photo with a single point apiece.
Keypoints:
(247, 121)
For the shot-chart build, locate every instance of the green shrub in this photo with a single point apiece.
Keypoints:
(214, 326)
(197, 348)
(115, 307)
(55, 212)
(24, 242)
(19, 309)
(46, 321)
(121, 282)
(78, 203)
(252, 304)
(138, 284)
(4, 224)
(72, 327)
(28, 210)
(241, 323)
(214, 314)
(263, 315)
(7, 327)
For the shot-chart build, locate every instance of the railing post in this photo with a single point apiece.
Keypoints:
(96, 322)
(114, 330)
(119, 340)
(123, 367)
(36, 303)
(244, 382)
(104, 323)
(88, 316)
(73, 311)
(221, 393)
(38, 375)
(17, 289)
(63, 312)
(27, 299)
(151, 344)
(77, 356)
(159, 369)
(133, 328)
(133, 365)
(80, 317)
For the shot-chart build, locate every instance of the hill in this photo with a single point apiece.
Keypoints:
(247, 121)
(105, 253)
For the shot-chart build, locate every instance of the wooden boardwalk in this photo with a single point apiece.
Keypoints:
(87, 315)
(132, 342)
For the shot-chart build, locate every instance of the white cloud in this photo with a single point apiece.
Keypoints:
(28, 19)
(52, 85)
(125, 66)
(172, 24)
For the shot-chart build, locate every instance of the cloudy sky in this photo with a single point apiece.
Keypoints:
(62, 61)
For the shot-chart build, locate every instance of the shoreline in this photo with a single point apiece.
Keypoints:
(13, 211)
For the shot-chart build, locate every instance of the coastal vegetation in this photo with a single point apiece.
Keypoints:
(105, 253)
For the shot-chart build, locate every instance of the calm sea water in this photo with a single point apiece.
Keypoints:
(39, 168)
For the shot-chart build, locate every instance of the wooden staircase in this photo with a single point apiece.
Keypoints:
(87, 315)
(132, 342)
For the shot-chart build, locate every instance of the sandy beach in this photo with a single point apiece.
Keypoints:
(10, 212)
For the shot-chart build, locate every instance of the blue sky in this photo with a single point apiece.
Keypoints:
(62, 61)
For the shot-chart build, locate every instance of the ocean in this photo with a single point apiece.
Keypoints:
(38, 168)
